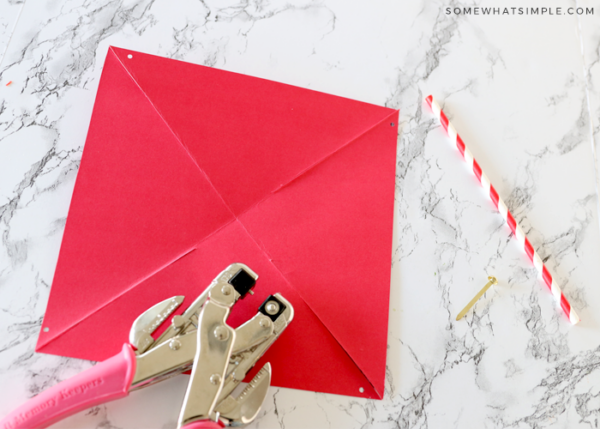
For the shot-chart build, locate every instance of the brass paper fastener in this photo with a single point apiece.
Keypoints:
(492, 281)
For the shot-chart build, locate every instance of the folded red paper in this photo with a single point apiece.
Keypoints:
(187, 169)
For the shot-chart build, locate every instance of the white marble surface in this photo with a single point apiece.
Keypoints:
(523, 92)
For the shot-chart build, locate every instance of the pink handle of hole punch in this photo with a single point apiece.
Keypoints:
(106, 381)
(203, 424)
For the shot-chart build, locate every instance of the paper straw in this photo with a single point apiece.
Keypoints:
(508, 217)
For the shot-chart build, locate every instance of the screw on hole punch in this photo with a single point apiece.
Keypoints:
(492, 281)
(221, 333)
(215, 379)
(130, 56)
(272, 307)
(265, 322)
(46, 329)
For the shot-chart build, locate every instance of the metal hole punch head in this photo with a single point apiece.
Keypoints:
(225, 355)
(272, 307)
(243, 282)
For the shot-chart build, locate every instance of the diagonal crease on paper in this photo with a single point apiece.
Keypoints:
(326, 157)
(111, 51)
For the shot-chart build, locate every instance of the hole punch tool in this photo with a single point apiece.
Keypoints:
(199, 339)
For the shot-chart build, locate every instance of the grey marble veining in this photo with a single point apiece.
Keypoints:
(523, 93)
(9, 15)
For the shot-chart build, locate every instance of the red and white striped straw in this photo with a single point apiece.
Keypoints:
(510, 220)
